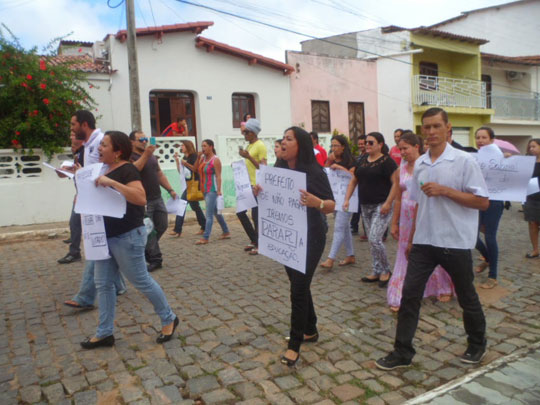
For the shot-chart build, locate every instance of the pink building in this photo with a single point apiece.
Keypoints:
(330, 93)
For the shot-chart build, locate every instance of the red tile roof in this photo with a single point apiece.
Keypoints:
(83, 63)
(252, 58)
(195, 27)
(434, 33)
(533, 60)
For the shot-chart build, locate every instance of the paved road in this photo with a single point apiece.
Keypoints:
(234, 312)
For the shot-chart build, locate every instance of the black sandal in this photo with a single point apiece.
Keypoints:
(165, 338)
(289, 362)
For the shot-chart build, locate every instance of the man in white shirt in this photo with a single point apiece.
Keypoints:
(449, 189)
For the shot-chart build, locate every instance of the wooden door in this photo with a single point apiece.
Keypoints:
(357, 125)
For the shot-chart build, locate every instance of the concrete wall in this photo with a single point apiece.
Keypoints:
(337, 80)
(512, 29)
(329, 47)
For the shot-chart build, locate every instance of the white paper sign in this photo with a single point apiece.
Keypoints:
(506, 178)
(176, 206)
(282, 220)
(220, 204)
(244, 194)
(339, 182)
(64, 172)
(94, 200)
(182, 171)
(533, 187)
(94, 237)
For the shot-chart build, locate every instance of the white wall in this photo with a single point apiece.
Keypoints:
(174, 63)
(395, 102)
(512, 30)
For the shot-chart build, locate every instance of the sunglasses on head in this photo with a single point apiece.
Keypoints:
(143, 139)
(371, 143)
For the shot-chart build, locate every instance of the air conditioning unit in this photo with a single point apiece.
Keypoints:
(512, 75)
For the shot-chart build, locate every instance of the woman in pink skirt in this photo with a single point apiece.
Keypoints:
(439, 284)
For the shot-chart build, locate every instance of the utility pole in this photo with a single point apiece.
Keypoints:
(134, 98)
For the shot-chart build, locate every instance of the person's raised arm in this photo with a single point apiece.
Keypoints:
(141, 162)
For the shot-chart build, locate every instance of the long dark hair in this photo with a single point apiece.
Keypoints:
(413, 140)
(210, 143)
(305, 157)
(380, 139)
(346, 158)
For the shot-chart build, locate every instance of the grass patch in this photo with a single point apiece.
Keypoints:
(48, 383)
(135, 348)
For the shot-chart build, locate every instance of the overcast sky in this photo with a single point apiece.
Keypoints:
(36, 22)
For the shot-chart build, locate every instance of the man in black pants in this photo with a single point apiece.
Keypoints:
(449, 189)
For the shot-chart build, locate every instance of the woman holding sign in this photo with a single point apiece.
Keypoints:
(297, 154)
(126, 239)
(531, 209)
(374, 175)
(340, 159)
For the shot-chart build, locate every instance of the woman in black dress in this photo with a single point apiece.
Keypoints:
(297, 154)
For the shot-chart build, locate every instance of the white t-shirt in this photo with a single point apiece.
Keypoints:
(91, 152)
(440, 221)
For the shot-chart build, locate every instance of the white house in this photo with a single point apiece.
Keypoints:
(181, 73)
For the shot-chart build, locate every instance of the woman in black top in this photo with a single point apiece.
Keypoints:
(374, 176)
(340, 159)
(297, 154)
(126, 240)
(531, 209)
(190, 157)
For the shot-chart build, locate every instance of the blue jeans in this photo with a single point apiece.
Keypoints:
(210, 199)
(490, 250)
(127, 251)
(87, 291)
(342, 235)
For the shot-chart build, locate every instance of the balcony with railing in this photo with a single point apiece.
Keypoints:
(447, 92)
(512, 106)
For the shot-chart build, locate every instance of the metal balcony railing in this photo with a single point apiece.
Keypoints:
(446, 92)
(516, 106)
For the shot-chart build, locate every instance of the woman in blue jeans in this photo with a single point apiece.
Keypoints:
(209, 167)
(489, 222)
(126, 239)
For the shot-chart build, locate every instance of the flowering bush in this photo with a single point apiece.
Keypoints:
(37, 99)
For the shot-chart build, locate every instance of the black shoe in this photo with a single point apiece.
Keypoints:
(392, 361)
(67, 241)
(105, 342)
(154, 266)
(289, 362)
(473, 355)
(69, 258)
(311, 339)
(165, 338)
(382, 283)
(369, 280)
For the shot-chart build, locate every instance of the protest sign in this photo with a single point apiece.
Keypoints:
(506, 178)
(94, 237)
(244, 195)
(339, 182)
(183, 171)
(282, 220)
(64, 172)
(176, 206)
(533, 186)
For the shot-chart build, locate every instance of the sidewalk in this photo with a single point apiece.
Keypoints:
(514, 379)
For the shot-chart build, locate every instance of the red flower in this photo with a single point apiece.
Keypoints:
(43, 86)
(91, 86)
(42, 65)
(56, 125)
(45, 101)
(80, 50)
(17, 133)
(24, 85)
(14, 142)
(36, 112)
(52, 73)
(29, 77)
(70, 102)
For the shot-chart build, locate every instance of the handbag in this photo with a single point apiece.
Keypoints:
(194, 192)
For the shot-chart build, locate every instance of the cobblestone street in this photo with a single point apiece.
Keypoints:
(234, 316)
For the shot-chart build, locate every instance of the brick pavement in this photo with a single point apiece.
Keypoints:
(234, 312)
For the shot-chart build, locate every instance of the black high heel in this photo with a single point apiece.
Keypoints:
(289, 362)
(165, 338)
(311, 339)
(105, 342)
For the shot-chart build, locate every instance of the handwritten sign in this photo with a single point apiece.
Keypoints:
(282, 220)
(94, 237)
(339, 181)
(506, 178)
(97, 200)
(244, 195)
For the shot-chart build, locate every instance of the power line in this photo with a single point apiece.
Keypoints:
(452, 74)
(152, 11)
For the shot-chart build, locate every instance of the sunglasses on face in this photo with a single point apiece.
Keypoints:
(370, 143)
(143, 139)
